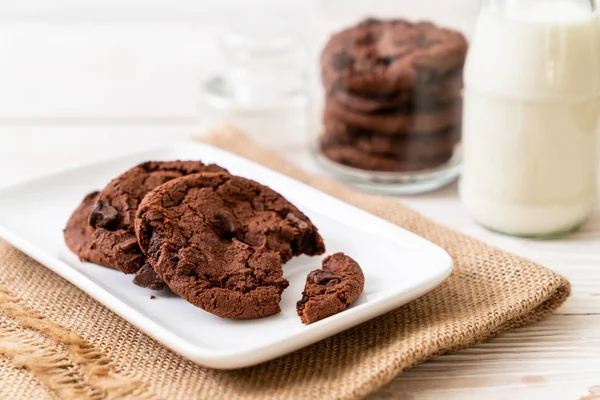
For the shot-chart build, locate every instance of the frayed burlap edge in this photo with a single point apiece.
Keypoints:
(83, 372)
(44, 360)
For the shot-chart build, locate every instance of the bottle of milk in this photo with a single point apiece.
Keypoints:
(530, 123)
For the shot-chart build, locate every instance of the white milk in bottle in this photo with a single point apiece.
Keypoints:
(532, 85)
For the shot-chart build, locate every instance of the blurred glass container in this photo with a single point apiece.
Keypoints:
(390, 106)
(262, 87)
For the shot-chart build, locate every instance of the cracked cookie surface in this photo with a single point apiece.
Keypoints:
(330, 290)
(112, 215)
(387, 56)
(219, 241)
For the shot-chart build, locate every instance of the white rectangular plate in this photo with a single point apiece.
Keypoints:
(398, 265)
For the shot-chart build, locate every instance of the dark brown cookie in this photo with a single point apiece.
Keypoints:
(388, 56)
(219, 241)
(391, 123)
(77, 233)
(410, 145)
(113, 213)
(353, 157)
(408, 100)
(330, 290)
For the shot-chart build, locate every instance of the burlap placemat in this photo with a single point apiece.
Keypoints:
(56, 342)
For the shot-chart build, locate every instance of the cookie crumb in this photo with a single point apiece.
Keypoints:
(152, 297)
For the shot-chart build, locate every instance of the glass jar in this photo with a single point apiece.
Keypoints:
(261, 87)
(391, 93)
(532, 97)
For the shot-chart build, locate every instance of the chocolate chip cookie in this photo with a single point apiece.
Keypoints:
(330, 290)
(388, 56)
(77, 233)
(388, 82)
(393, 123)
(219, 241)
(412, 144)
(448, 89)
(112, 216)
(353, 157)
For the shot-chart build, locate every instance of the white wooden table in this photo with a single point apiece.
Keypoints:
(70, 98)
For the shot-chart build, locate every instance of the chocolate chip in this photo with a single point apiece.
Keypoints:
(146, 277)
(303, 235)
(130, 244)
(322, 277)
(103, 215)
(342, 60)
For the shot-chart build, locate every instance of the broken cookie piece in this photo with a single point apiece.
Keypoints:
(330, 290)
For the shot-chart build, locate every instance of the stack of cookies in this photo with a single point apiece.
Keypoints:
(393, 95)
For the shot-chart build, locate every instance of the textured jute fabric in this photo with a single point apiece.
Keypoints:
(57, 342)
